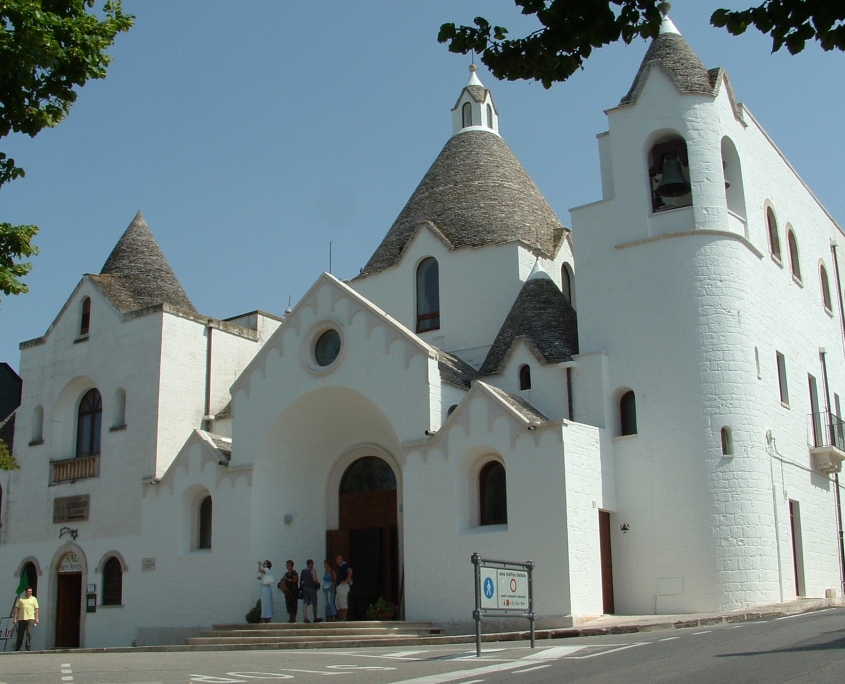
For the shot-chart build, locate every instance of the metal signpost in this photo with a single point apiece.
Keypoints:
(502, 588)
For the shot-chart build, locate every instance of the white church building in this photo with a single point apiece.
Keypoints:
(655, 423)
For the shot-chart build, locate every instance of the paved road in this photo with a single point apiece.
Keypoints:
(801, 649)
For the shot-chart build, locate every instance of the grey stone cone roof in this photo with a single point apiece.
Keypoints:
(136, 274)
(542, 318)
(476, 193)
(673, 54)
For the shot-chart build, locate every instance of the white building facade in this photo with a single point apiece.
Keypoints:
(656, 427)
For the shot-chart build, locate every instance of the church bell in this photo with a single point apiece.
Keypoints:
(672, 183)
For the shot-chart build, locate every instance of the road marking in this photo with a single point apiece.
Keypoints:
(65, 664)
(403, 654)
(734, 627)
(531, 669)
(554, 653)
(706, 631)
(670, 638)
(473, 681)
(613, 650)
(67, 670)
(815, 612)
(462, 674)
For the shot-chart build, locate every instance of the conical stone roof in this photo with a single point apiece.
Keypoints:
(136, 275)
(673, 54)
(476, 193)
(543, 318)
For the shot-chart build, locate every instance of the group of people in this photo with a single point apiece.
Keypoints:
(334, 583)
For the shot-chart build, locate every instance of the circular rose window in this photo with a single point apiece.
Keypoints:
(327, 348)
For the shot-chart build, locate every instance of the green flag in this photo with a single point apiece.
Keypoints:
(24, 583)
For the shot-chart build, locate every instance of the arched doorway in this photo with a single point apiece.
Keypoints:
(69, 599)
(368, 533)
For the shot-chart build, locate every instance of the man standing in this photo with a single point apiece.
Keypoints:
(25, 616)
(342, 584)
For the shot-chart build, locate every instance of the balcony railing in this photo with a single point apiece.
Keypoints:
(827, 441)
(74, 469)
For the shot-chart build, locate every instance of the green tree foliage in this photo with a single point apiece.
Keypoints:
(7, 461)
(571, 29)
(48, 49)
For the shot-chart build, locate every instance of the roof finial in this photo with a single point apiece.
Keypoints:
(666, 25)
(473, 76)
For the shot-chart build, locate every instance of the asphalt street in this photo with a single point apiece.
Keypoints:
(800, 649)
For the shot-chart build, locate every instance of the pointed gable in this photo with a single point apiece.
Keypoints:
(136, 274)
(544, 319)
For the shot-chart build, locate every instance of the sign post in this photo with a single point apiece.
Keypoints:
(502, 588)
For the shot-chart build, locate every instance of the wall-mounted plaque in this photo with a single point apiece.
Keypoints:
(71, 508)
(148, 564)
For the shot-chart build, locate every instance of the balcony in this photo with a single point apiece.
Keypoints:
(827, 441)
(71, 469)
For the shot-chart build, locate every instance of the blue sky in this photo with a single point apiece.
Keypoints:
(252, 134)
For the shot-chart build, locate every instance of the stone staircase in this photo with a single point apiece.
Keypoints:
(319, 635)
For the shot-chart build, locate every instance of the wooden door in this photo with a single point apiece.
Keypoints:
(68, 609)
(606, 563)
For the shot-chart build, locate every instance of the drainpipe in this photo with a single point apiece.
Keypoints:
(206, 416)
(569, 392)
(836, 493)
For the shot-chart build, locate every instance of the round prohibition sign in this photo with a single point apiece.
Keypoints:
(513, 586)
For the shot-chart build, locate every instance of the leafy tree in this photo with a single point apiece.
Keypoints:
(48, 48)
(7, 461)
(571, 29)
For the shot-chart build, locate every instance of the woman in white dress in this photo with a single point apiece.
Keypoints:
(267, 583)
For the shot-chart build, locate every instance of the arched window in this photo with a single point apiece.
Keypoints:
(31, 577)
(727, 442)
(37, 426)
(774, 240)
(204, 527)
(368, 474)
(119, 409)
(85, 319)
(466, 115)
(112, 582)
(489, 116)
(525, 377)
(734, 191)
(451, 409)
(628, 414)
(89, 423)
(428, 295)
(828, 304)
(493, 494)
(566, 283)
(792, 244)
(669, 175)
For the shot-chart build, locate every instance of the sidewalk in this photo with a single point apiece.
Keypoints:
(626, 624)
(609, 624)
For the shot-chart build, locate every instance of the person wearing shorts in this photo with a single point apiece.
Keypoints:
(310, 585)
(343, 581)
